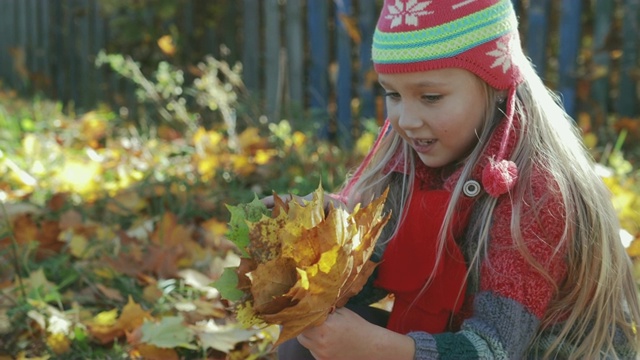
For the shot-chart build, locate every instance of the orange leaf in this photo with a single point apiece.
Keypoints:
(131, 317)
(169, 233)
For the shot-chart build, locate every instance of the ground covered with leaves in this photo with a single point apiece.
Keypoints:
(111, 238)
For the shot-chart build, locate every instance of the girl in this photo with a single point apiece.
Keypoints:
(504, 243)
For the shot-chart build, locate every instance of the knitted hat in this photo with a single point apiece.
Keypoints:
(480, 36)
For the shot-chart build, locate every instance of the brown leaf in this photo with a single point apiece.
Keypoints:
(110, 293)
(270, 282)
(169, 233)
(70, 219)
(150, 352)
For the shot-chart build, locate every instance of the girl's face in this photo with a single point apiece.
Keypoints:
(440, 113)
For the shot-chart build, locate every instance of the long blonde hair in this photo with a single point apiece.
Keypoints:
(598, 294)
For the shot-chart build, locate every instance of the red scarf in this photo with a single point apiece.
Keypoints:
(409, 263)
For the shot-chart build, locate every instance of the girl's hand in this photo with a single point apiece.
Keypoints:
(345, 335)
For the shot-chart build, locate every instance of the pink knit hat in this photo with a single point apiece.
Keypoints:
(480, 36)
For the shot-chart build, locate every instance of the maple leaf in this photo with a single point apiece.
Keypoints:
(106, 328)
(302, 261)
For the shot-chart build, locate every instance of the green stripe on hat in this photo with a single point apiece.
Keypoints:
(444, 40)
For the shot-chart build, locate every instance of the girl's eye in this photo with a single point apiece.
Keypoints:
(392, 95)
(431, 98)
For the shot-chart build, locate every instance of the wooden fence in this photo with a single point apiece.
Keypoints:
(315, 54)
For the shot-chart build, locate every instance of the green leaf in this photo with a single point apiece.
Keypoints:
(169, 333)
(238, 228)
(227, 285)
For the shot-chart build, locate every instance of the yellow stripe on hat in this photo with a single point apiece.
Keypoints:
(444, 40)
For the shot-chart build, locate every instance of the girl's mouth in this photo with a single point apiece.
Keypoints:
(424, 142)
(423, 145)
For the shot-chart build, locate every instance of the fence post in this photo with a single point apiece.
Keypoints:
(251, 44)
(569, 45)
(601, 58)
(273, 86)
(367, 23)
(22, 40)
(538, 18)
(295, 70)
(87, 87)
(45, 18)
(626, 104)
(343, 84)
(98, 44)
(318, 88)
(57, 50)
(4, 43)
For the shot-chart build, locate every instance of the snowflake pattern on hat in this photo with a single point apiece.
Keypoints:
(502, 53)
(408, 13)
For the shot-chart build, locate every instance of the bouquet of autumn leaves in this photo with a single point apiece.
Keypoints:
(300, 260)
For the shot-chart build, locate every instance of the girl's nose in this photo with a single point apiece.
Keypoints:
(410, 117)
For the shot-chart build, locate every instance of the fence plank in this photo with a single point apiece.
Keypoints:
(570, 39)
(272, 58)
(30, 9)
(344, 124)
(85, 96)
(229, 37)
(627, 99)
(295, 54)
(538, 20)
(601, 57)
(45, 43)
(318, 88)
(58, 49)
(98, 43)
(4, 44)
(23, 41)
(251, 44)
(367, 85)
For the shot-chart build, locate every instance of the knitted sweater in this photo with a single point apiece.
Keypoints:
(504, 305)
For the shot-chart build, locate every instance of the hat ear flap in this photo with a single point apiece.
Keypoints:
(499, 175)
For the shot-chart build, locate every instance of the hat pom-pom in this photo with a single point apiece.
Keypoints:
(498, 177)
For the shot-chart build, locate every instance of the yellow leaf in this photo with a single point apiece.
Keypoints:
(250, 138)
(634, 249)
(264, 156)
(106, 318)
(78, 246)
(299, 138)
(59, 343)
(166, 44)
(242, 165)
